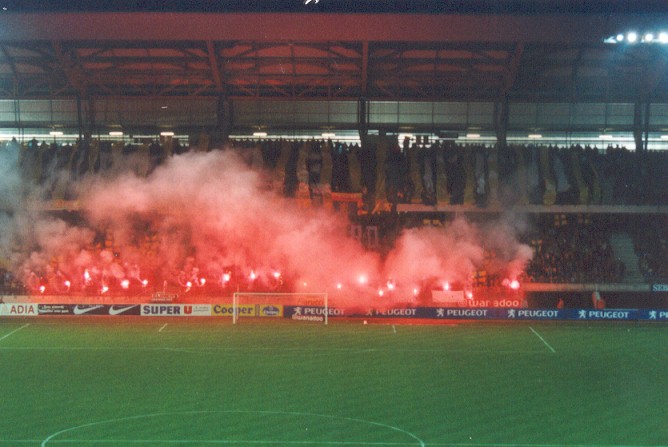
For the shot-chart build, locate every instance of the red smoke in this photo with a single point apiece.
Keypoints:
(212, 212)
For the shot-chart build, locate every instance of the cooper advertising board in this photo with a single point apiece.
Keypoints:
(176, 310)
(18, 309)
(227, 310)
(248, 310)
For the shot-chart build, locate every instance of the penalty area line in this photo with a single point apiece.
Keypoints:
(543, 340)
(14, 331)
(163, 327)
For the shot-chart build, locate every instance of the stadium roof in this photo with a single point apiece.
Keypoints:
(540, 50)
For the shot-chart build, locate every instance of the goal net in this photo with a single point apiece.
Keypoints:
(296, 306)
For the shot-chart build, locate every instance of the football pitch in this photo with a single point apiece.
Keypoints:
(132, 381)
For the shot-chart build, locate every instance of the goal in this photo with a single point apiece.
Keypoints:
(297, 306)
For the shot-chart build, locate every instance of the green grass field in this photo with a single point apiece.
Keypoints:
(136, 381)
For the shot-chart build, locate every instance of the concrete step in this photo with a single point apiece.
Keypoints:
(622, 247)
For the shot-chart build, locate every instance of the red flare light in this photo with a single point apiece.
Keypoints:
(381, 292)
(512, 284)
(67, 284)
(390, 285)
(202, 281)
(339, 286)
(42, 289)
(277, 275)
(226, 277)
(125, 283)
(104, 289)
(446, 286)
(362, 279)
(144, 282)
(252, 276)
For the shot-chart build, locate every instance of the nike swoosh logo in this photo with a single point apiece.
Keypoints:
(120, 310)
(79, 311)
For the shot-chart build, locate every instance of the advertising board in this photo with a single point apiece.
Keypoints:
(176, 310)
(18, 309)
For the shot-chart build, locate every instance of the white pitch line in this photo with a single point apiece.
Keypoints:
(226, 442)
(14, 331)
(394, 329)
(163, 326)
(543, 340)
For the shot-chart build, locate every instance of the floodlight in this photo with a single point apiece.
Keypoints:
(166, 134)
(619, 37)
(648, 37)
(663, 37)
(534, 136)
(632, 37)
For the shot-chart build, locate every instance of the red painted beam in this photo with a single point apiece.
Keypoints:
(317, 27)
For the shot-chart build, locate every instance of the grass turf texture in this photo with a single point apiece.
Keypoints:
(202, 382)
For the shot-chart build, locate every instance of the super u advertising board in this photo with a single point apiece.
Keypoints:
(316, 313)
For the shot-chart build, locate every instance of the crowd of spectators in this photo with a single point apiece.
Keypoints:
(9, 284)
(567, 248)
(52, 166)
(384, 169)
(572, 249)
(448, 172)
(322, 165)
(651, 245)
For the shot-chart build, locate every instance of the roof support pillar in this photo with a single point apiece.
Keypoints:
(501, 112)
(362, 116)
(85, 117)
(224, 119)
(641, 112)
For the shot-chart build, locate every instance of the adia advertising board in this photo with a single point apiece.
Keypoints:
(18, 309)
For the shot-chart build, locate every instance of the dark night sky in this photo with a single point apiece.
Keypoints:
(340, 6)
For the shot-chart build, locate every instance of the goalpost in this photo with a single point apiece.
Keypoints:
(255, 304)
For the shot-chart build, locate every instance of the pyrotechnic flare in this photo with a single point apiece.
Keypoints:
(210, 211)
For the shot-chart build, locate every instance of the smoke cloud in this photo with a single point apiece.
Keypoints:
(212, 211)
